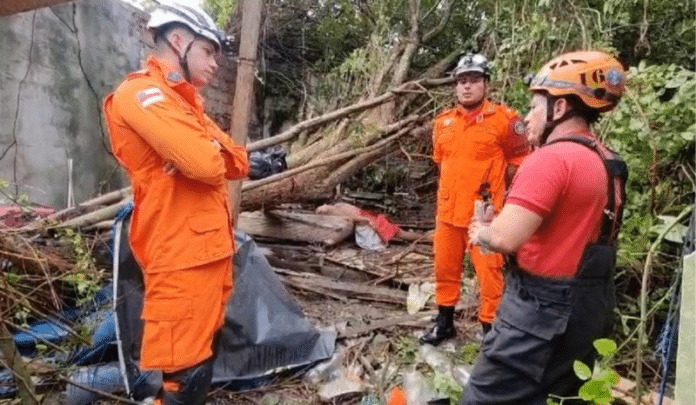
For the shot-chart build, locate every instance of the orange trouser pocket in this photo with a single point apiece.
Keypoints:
(163, 320)
(183, 310)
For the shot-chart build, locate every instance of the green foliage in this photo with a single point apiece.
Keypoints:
(447, 385)
(468, 352)
(600, 381)
(221, 10)
(653, 129)
(407, 349)
(85, 278)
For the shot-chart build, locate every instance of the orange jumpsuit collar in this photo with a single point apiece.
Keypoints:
(166, 73)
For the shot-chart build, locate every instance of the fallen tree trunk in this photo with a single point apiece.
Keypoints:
(319, 182)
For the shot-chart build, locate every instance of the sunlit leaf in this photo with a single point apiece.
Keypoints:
(605, 347)
(582, 370)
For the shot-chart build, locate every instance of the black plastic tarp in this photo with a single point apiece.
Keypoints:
(265, 331)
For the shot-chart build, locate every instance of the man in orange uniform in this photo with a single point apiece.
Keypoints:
(478, 146)
(179, 163)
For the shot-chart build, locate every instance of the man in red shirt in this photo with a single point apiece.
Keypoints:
(477, 146)
(561, 220)
(179, 163)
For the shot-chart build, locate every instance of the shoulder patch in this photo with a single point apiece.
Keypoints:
(519, 127)
(150, 96)
(174, 77)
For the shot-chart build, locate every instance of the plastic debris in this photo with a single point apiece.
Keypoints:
(418, 296)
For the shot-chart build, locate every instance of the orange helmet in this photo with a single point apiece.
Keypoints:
(596, 77)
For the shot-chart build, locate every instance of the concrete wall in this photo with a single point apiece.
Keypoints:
(57, 66)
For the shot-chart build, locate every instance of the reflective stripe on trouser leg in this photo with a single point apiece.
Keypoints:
(449, 247)
(489, 274)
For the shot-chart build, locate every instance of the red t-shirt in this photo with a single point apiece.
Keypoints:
(566, 184)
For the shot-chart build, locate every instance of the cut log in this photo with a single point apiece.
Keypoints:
(297, 227)
(99, 215)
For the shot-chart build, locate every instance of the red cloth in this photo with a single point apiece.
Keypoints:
(566, 184)
(386, 229)
(15, 216)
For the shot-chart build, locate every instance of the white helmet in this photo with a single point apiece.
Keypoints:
(192, 17)
(473, 62)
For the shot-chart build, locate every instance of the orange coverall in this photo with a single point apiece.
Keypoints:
(181, 229)
(471, 149)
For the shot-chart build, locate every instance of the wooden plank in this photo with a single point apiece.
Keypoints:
(422, 319)
(9, 7)
(297, 227)
(358, 291)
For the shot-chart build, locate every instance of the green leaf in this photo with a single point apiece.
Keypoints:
(612, 378)
(676, 234)
(604, 398)
(605, 347)
(591, 390)
(582, 370)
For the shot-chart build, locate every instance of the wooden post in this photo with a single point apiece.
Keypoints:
(244, 85)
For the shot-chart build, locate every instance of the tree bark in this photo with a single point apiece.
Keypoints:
(244, 85)
(316, 180)
(14, 362)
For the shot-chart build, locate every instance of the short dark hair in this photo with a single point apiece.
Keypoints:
(161, 33)
(590, 115)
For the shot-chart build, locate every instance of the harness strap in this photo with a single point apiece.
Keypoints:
(617, 174)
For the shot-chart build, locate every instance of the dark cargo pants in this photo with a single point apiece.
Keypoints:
(543, 326)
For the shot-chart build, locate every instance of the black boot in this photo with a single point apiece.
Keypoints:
(194, 381)
(443, 329)
(486, 327)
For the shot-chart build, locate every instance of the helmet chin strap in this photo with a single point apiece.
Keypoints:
(183, 59)
(550, 122)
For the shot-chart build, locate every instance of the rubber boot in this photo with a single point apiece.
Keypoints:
(443, 329)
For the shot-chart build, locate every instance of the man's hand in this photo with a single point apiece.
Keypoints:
(484, 213)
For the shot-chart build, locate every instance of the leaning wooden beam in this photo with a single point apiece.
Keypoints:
(358, 291)
(18, 6)
(95, 216)
(80, 209)
(418, 86)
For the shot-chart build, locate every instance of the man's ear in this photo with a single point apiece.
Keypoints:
(560, 107)
(179, 40)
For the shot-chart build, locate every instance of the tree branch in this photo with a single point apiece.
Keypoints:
(441, 25)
